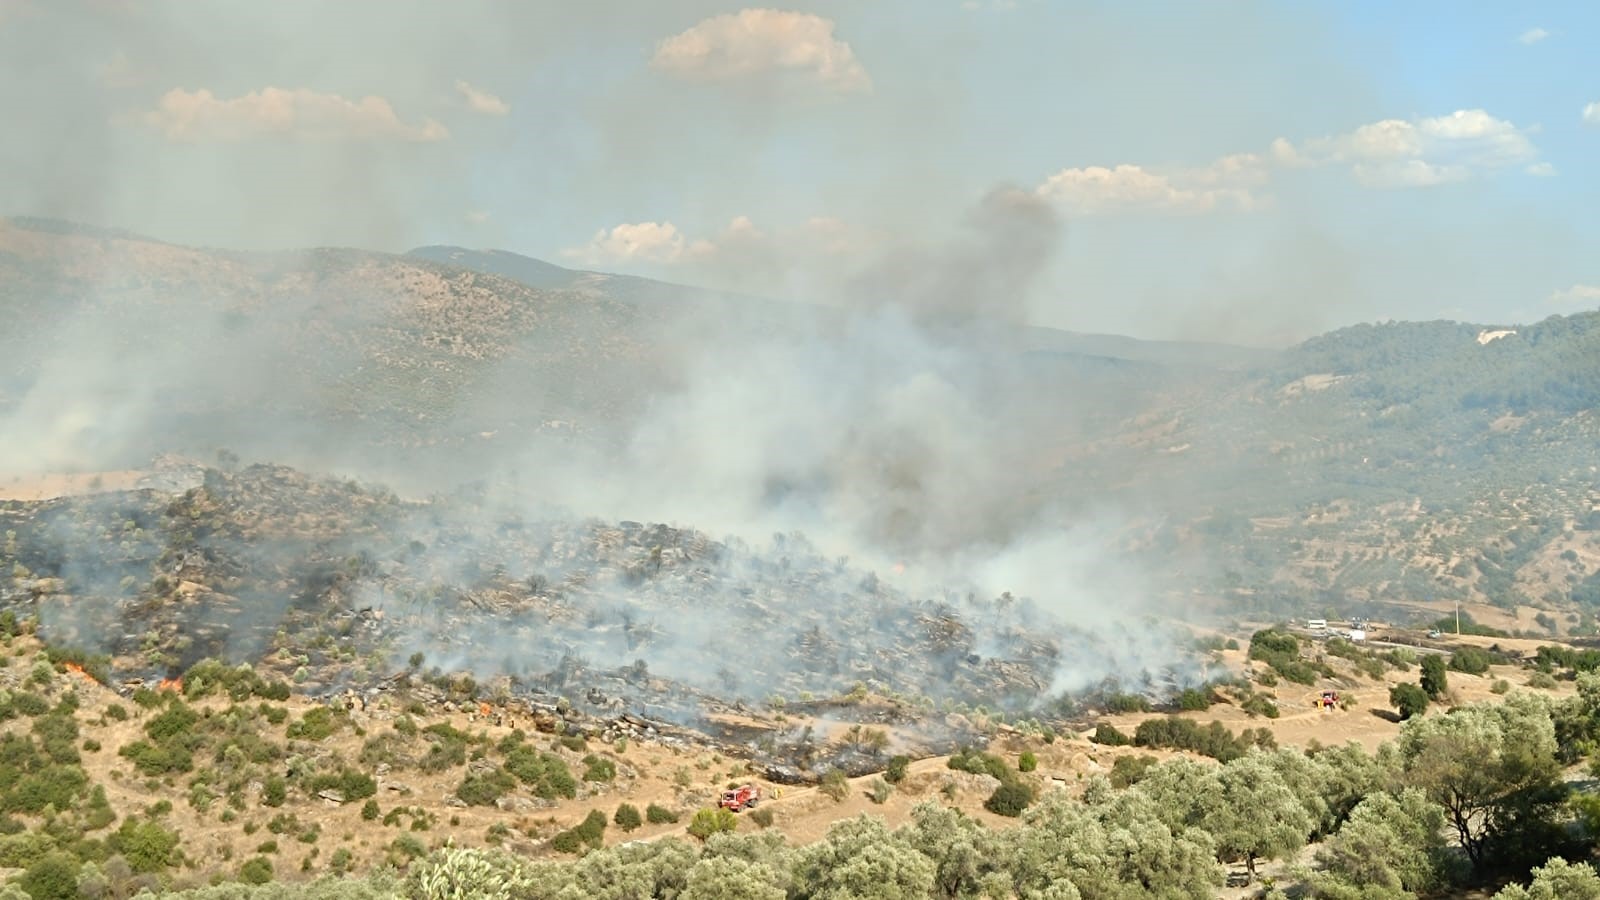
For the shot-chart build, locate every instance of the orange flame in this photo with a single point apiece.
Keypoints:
(76, 669)
(171, 684)
(483, 708)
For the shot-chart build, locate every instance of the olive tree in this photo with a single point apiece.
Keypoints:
(1246, 806)
(1390, 846)
(860, 857)
(1115, 846)
(964, 853)
(731, 878)
(1492, 768)
(1557, 880)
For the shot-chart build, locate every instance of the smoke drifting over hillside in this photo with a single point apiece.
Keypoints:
(902, 430)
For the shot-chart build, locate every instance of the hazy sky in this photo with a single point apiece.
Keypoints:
(1254, 171)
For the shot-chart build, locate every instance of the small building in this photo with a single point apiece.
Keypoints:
(1317, 624)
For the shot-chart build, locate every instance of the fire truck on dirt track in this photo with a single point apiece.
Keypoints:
(740, 798)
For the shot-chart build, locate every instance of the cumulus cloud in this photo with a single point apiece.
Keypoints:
(195, 116)
(1591, 113)
(1391, 153)
(482, 101)
(740, 246)
(756, 42)
(1419, 152)
(1126, 188)
(630, 242)
(1533, 36)
(1578, 294)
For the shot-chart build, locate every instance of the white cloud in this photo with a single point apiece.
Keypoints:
(760, 42)
(1390, 153)
(481, 101)
(1098, 190)
(1584, 294)
(1419, 152)
(645, 242)
(478, 216)
(742, 253)
(1591, 113)
(1533, 36)
(200, 116)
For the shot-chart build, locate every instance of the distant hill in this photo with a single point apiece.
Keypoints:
(628, 288)
(1376, 463)
(532, 272)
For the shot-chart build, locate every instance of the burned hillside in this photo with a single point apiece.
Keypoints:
(333, 586)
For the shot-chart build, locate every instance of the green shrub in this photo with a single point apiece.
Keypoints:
(1212, 740)
(835, 785)
(1127, 771)
(1027, 762)
(154, 760)
(879, 791)
(1194, 699)
(317, 724)
(1471, 660)
(146, 846)
(369, 810)
(898, 766)
(1126, 703)
(969, 759)
(1543, 681)
(590, 833)
(256, 871)
(598, 768)
(19, 850)
(408, 847)
(627, 817)
(1260, 705)
(484, 788)
(27, 703)
(1501, 686)
(1409, 699)
(1009, 799)
(707, 822)
(1107, 735)
(351, 784)
(659, 815)
(53, 876)
(274, 791)
(545, 773)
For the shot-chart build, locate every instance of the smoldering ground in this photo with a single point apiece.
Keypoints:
(899, 429)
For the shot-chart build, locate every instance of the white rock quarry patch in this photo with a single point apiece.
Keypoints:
(1487, 335)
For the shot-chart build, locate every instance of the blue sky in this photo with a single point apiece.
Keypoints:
(1246, 171)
